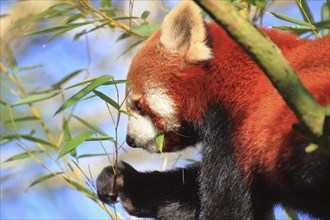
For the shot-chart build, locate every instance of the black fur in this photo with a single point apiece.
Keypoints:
(217, 189)
(161, 195)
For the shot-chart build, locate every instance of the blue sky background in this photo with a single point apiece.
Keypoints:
(52, 199)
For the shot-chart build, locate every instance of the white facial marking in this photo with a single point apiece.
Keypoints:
(143, 131)
(162, 105)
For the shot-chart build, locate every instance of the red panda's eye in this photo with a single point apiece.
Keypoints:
(137, 105)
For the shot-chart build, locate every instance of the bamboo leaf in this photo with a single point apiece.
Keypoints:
(145, 29)
(91, 155)
(258, 3)
(23, 119)
(124, 36)
(25, 68)
(325, 16)
(291, 214)
(54, 11)
(59, 28)
(131, 47)
(90, 125)
(75, 98)
(81, 83)
(112, 82)
(2, 101)
(160, 141)
(305, 9)
(44, 178)
(34, 98)
(8, 55)
(145, 15)
(290, 19)
(82, 188)
(116, 82)
(27, 137)
(88, 97)
(107, 99)
(126, 113)
(4, 141)
(67, 78)
(295, 29)
(102, 138)
(74, 143)
(311, 147)
(66, 129)
(23, 155)
(107, 4)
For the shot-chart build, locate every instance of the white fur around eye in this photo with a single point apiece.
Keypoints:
(163, 106)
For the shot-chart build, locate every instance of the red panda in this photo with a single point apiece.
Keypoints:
(193, 83)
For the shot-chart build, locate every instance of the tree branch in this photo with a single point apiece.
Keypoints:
(270, 59)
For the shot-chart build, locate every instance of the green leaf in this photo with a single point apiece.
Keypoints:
(311, 147)
(160, 141)
(27, 137)
(75, 98)
(34, 98)
(44, 178)
(124, 36)
(238, 5)
(25, 68)
(291, 214)
(8, 55)
(88, 97)
(145, 29)
(116, 82)
(67, 78)
(66, 27)
(305, 9)
(66, 129)
(145, 15)
(23, 119)
(82, 188)
(126, 113)
(54, 11)
(102, 138)
(2, 101)
(258, 3)
(90, 125)
(131, 47)
(290, 19)
(92, 155)
(23, 155)
(81, 83)
(325, 16)
(107, 4)
(4, 141)
(107, 99)
(295, 29)
(74, 143)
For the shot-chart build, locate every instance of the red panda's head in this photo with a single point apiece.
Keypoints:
(160, 74)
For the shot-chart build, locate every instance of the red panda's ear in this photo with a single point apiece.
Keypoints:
(183, 31)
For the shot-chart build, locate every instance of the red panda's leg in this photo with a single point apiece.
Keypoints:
(162, 195)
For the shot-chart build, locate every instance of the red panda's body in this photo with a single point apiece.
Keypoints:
(209, 90)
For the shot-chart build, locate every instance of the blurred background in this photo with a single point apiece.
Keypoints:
(38, 64)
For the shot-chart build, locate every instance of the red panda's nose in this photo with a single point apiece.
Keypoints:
(130, 141)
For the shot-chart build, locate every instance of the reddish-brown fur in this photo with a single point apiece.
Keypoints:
(233, 79)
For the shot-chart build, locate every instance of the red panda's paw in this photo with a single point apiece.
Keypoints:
(108, 184)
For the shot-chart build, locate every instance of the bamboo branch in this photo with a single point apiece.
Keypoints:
(270, 59)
